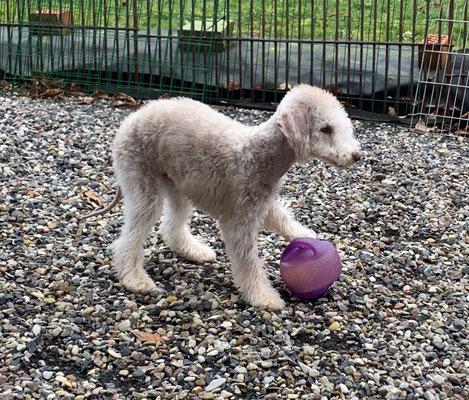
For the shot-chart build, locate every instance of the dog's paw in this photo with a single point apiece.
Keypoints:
(198, 252)
(140, 283)
(267, 299)
(304, 233)
(188, 247)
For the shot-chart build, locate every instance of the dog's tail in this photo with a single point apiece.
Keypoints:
(106, 209)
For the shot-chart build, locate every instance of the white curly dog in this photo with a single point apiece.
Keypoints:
(175, 154)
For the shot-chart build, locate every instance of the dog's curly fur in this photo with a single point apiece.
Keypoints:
(174, 154)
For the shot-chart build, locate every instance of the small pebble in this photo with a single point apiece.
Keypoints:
(114, 353)
(47, 375)
(124, 326)
(334, 326)
(215, 384)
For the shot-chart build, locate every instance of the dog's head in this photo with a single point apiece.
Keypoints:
(317, 126)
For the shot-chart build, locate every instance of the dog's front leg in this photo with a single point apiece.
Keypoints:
(280, 220)
(248, 271)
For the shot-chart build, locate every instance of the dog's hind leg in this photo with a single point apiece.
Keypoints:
(280, 220)
(249, 276)
(174, 229)
(142, 208)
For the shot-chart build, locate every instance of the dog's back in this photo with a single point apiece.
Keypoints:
(184, 140)
(176, 117)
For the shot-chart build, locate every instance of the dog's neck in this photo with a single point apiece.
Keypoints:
(277, 156)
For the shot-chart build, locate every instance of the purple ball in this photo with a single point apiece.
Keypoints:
(309, 267)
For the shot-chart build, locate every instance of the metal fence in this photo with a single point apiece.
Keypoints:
(443, 87)
(234, 51)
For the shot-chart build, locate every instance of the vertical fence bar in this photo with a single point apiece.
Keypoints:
(399, 55)
(72, 33)
(39, 39)
(324, 25)
(386, 67)
(287, 47)
(434, 87)
(215, 20)
(127, 39)
(300, 36)
(83, 35)
(423, 72)
(45, 40)
(311, 62)
(412, 55)
(149, 8)
(102, 44)
(442, 90)
(104, 41)
(62, 49)
(437, 53)
(373, 62)
(181, 49)
(263, 51)
(240, 45)
(251, 47)
(463, 63)
(448, 63)
(170, 33)
(336, 47)
(275, 44)
(95, 46)
(19, 55)
(135, 31)
(349, 49)
(116, 34)
(192, 33)
(9, 35)
(228, 44)
(158, 43)
(456, 86)
(51, 41)
(362, 38)
(196, 54)
(204, 33)
(451, 18)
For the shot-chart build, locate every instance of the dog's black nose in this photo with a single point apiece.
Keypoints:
(356, 157)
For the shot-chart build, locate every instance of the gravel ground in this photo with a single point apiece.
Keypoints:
(395, 325)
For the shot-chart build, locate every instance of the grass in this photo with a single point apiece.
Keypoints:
(369, 20)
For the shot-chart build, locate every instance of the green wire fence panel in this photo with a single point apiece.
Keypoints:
(443, 87)
(366, 52)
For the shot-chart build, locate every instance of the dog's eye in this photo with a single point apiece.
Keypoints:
(327, 130)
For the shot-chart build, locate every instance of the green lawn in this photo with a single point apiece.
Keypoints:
(380, 20)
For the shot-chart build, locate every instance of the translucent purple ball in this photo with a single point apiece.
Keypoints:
(309, 267)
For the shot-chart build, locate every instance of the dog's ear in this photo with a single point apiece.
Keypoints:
(294, 123)
(293, 120)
